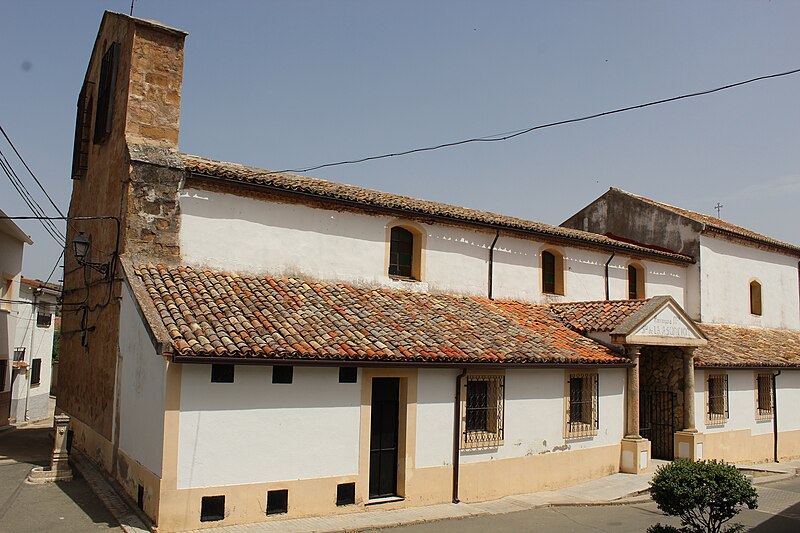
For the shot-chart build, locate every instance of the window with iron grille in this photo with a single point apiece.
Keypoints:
(105, 94)
(764, 399)
(483, 411)
(19, 353)
(717, 399)
(582, 417)
(401, 253)
(44, 317)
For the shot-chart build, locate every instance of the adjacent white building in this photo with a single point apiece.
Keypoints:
(37, 308)
(12, 243)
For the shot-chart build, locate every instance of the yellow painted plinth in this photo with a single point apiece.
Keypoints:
(635, 455)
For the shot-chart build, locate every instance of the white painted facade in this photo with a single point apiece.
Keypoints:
(12, 243)
(742, 402)
(534, 411)
(142, 388)
(229, 232)
(255, 431)
(29, 400)
(727, 268)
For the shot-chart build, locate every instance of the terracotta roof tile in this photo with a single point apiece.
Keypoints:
(741, 346)
(715, 223)
(602, 315)
(373, 198)
(211, 313)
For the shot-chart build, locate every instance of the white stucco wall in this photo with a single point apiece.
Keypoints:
(38, 344)
(10, 266)
(254, 431)
(142, 389)
(248, 235)
(728, 268)
(533, 421)
(742, 402)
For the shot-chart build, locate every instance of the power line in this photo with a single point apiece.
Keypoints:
(31, 202)
(30, 171)
(499, 137)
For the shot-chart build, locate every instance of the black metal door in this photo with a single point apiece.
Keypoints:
(657, 422)
(383, 437)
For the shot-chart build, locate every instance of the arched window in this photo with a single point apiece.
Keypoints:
(635, 282)
(755, 298)
(552, 272)
(401, 253)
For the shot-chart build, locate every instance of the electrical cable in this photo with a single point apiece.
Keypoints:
(51, 228)
(499, 137)
(11, 144)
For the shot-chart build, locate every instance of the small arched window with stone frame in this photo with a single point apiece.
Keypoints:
(552, 267)
(405, 252)
(755, 298)
(635, 281)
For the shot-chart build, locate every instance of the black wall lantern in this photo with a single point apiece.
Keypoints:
(81, 244)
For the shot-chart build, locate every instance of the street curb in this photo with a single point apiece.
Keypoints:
(128, 519)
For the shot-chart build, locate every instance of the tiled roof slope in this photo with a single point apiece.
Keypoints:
(369, 197)
(718, 224)
(741, 346)
(210, 313)
(604, 315)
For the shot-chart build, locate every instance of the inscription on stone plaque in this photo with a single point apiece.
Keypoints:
(665, 324)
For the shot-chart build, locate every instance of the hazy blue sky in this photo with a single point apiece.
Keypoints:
(292, 83)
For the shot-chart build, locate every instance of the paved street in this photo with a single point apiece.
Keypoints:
(57, 507)
(778, 512)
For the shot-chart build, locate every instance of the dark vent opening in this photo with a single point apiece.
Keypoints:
(346, 494)
(348, 374)
(140, 498)
(277, 501)
(212, 508)
(222, 373)
(282, 374)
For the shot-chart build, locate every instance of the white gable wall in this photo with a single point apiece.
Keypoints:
(242, 234)
(142, 387)
(728, 268)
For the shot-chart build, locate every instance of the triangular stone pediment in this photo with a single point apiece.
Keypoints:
(662, 323)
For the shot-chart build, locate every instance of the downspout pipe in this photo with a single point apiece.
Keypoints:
(491, 263)
(775, 415)
(457, 433)
(606, 274)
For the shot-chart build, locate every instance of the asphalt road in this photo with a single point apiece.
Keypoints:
(778, 512)
(68, 507)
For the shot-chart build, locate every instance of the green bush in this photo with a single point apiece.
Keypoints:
(704, 494)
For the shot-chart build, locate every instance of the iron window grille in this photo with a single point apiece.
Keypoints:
(19, 353)
(44, 318)
(764, 399)
(401, 253)
(582, 417)
(483, 412)
(717, 399)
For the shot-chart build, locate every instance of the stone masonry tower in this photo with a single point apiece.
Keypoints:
(126, 177)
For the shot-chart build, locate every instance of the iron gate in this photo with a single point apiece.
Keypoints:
(657, 421)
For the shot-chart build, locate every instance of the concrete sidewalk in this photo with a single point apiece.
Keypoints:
(615, 489)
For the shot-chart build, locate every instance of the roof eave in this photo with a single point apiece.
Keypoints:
(634, 250)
